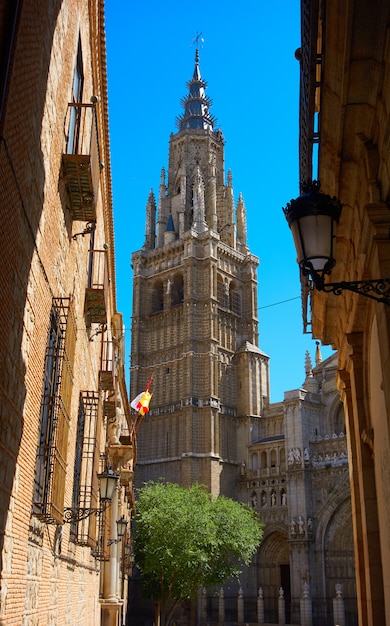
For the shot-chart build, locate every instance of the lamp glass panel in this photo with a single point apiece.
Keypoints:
(297, 240)
(316, 233)
(107, 484)
(121, 526)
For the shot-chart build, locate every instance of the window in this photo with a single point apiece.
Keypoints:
(222, 293)
(50, 469)
(234, 299)
(75, 111)
(254, 461)
(157, 297)
(177, 290)
(229, 296)
(90, 258)
(85, 488)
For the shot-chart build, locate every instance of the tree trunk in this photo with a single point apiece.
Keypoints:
(157, 621)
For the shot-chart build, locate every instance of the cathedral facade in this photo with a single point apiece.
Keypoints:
(195, 330)
(297, 479)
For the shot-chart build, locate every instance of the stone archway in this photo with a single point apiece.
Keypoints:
(273, 572)
(339, 559)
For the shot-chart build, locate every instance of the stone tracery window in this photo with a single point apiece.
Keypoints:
(229, 296)
(234, 299)
(222, 293)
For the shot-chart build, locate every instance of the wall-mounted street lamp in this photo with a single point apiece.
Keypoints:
(129, 557)
(128, 553)
(107, 483)
(108, 480)
(312, 218)
(121, 526)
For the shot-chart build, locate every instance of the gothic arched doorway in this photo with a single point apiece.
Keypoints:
(339, 560)
(273, 572)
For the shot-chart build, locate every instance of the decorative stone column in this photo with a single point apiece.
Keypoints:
(338, 607)
(260, 607)
(240, 607)
(281, 608)
(110, 603)
(306, 607)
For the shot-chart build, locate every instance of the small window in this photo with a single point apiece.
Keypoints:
(157, 297)
(75, 110)
(177, 290)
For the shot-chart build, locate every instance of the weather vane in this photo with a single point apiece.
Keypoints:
(198, 39)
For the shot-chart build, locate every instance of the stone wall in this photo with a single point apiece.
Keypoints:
(45, 576)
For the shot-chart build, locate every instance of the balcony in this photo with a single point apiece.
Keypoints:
(81, 160)
(96, 293)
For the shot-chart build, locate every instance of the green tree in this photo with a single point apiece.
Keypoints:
(187, 538)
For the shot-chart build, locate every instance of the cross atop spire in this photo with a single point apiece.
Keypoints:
(196, 40)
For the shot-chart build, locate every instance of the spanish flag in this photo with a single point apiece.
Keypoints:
(141, 402)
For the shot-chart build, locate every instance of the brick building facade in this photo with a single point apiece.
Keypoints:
(64, 408)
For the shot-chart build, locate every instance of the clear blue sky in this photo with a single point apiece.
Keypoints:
(248, 61)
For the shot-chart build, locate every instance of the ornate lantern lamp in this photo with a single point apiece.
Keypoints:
(312, 218)
(107, 483)
(121, 525)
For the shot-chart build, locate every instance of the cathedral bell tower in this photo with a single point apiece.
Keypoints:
(194, 324)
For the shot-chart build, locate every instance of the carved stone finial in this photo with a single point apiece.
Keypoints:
(318, 353)
(308, 365)
(339, 590)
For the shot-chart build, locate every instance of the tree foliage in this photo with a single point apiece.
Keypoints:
(186, 538)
